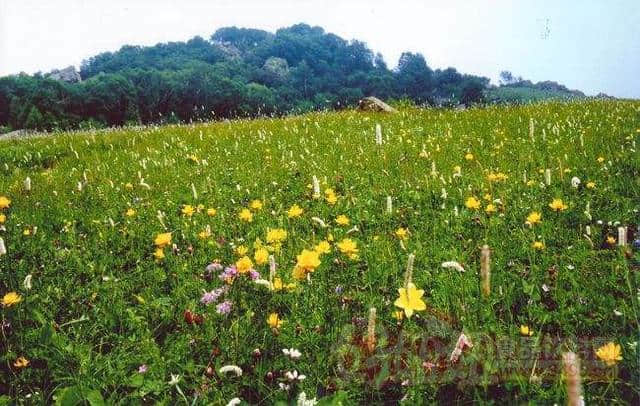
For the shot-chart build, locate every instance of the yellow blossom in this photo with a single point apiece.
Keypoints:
(128, 186)
(557, 205)
(322, 247)
(611, 240)
(274, 321)
(245, 215)
(21, 362)
(533, 218)
(188, 210)
(244, 265)
(276, 235)
(261, 256)
(256, 204)
(402, 233)
(472, 203)
(211, 212)
(591, 185)
(308, 260)
(610, 353)
(600, 159)
(330, 196)
(537, 245)
(130, 212)
(3, 218)
(398, 315)
(204, 234)
(348, 247)
(158, 254)
(162, 240)
(469, 156)
(26, 232)
(294, 211)
(277, 284)
(342, 220)
(11, 299)
(526, 331)
(490, 209)
(410, 300)
(4, 202)
(241, 250)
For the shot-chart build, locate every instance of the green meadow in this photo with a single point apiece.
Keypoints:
(174, 264)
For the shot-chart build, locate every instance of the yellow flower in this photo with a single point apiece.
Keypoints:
(256, 204)
(3, 218)
(245, 215)
(531, 182)
(469, 156)
(330, 196)
(591, 185)
(158, 254)
(211, 212)
(610, 353)
(294, 211)
(204, 234)
(298, 273)
(21, 362)
(611, 240)
(410, 300)
(26, 232)
(497, 177)
(130, 212)
(472, 203)
(533, 218)
(322, 247)
(490, 209)
(348, 247)
(600, 159)
(274, 321)
(537, 245)
(402, 233)
(308, 260)
(277, 284)
(261, 256)
(342, 220)
(162, 240)
(241, 250)
(4, 202)
(557, 205)
(398, 315)
(276, 235)
(10, 299)
(244, 265)
(128, 186)
(188, 210)
(526, 331)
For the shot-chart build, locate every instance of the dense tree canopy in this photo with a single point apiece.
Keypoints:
(237, 72)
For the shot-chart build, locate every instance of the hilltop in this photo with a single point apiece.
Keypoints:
(237, 72)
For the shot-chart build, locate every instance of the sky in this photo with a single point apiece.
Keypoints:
(590, 45)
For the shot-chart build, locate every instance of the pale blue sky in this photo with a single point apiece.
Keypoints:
(589, 45)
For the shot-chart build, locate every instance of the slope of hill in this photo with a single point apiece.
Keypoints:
(135, 263)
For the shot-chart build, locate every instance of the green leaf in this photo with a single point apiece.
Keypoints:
(94, 397)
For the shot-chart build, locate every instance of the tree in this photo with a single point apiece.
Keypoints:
(34, 120)
(414, 77)
(506, 78)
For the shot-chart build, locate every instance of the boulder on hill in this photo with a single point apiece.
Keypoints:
(68, 74)
(374, 104)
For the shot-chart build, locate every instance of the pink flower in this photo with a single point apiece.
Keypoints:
(142, 369)
(463, 342)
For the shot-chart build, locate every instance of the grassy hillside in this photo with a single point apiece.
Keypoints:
(524, 94)
(139, 259)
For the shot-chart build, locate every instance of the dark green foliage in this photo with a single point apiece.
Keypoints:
(238, 72)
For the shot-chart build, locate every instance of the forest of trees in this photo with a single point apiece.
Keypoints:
(238, 72)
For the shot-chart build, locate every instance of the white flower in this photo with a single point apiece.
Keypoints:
(453, 264)
(231, 368)
(319, 222)
(291, 352)
(303, 401)
(234, 402)
(575, 182)
(3, 249)
(174, 379)
(294, 376)
(283, 386)
(263, 282)
(27, 184)
(27, 282)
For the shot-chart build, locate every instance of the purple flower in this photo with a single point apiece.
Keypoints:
(210, 297)
(142, 369)
(338, 290)
(254, 274)
(229, 273)
(224, 307)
